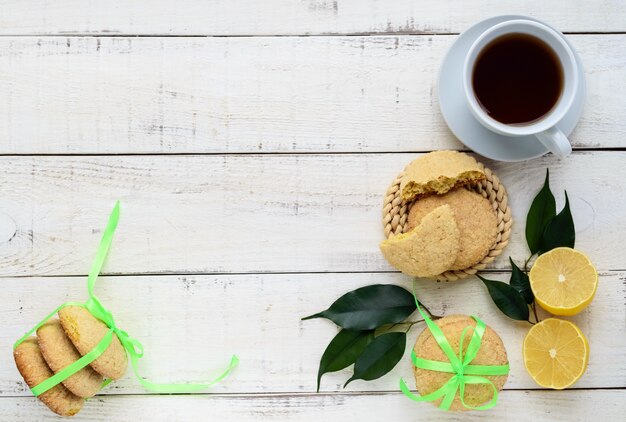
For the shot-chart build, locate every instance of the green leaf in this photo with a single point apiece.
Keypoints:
(343, 351)
(507, 299)
(560, 231)
(379, 357)
(521, 283)
(541, 211)
(370, 307)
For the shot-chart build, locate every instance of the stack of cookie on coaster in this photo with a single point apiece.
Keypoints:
(450, 225)
(59, 343)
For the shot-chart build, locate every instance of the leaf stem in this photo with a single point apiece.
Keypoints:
(412, 323)
(534, 308)
(526, 263)
(428, 311)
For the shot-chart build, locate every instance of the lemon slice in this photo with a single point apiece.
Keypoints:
(555, 353)
(563, 281)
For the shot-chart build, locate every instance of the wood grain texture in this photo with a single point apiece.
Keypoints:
(260, 213)
(573, 405)
(72, 83)
(97, 95)
(190, 325)
(286, 17)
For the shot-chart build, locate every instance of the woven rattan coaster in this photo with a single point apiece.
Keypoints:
(396, 212)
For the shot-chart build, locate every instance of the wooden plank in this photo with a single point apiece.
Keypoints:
(570, 405)
(190, 325)
(285, 94)
(259, 213)
(286, 17)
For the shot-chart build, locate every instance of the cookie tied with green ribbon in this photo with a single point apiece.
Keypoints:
(72, 358)
(460, 364)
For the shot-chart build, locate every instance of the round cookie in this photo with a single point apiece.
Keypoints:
(491, 352)
(476, 219)
(438, 172)
(85, 331)
(59, 352)
(34, 369)
(429, 249)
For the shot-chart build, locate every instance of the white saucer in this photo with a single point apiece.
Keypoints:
(460, 119)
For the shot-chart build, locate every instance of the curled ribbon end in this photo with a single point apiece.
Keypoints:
(234, 361)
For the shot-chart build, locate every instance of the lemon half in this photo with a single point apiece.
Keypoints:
(555, 353)
(563, 281)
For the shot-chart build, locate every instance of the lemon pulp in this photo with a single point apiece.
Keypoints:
(555, 353)
(563, 281)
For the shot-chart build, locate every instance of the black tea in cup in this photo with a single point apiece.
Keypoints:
(517, 79)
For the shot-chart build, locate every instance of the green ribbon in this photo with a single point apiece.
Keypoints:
(132, 346)
(459, 366)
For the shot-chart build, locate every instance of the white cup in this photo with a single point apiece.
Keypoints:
(545, 128)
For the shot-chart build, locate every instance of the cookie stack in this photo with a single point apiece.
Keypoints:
(450, 226)
(490, 353)
(59, 343)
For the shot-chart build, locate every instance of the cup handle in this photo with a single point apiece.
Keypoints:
(555, 141)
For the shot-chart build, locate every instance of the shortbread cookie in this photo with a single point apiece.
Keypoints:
(85, 331)
(438, 172)
(59, 352)
(491, 352)
(429, 249)
(475, 217)
(34, 369)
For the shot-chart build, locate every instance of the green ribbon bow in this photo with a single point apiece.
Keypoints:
(459, 366)
(131, 345)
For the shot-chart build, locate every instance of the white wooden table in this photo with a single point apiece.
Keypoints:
(250, 143)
